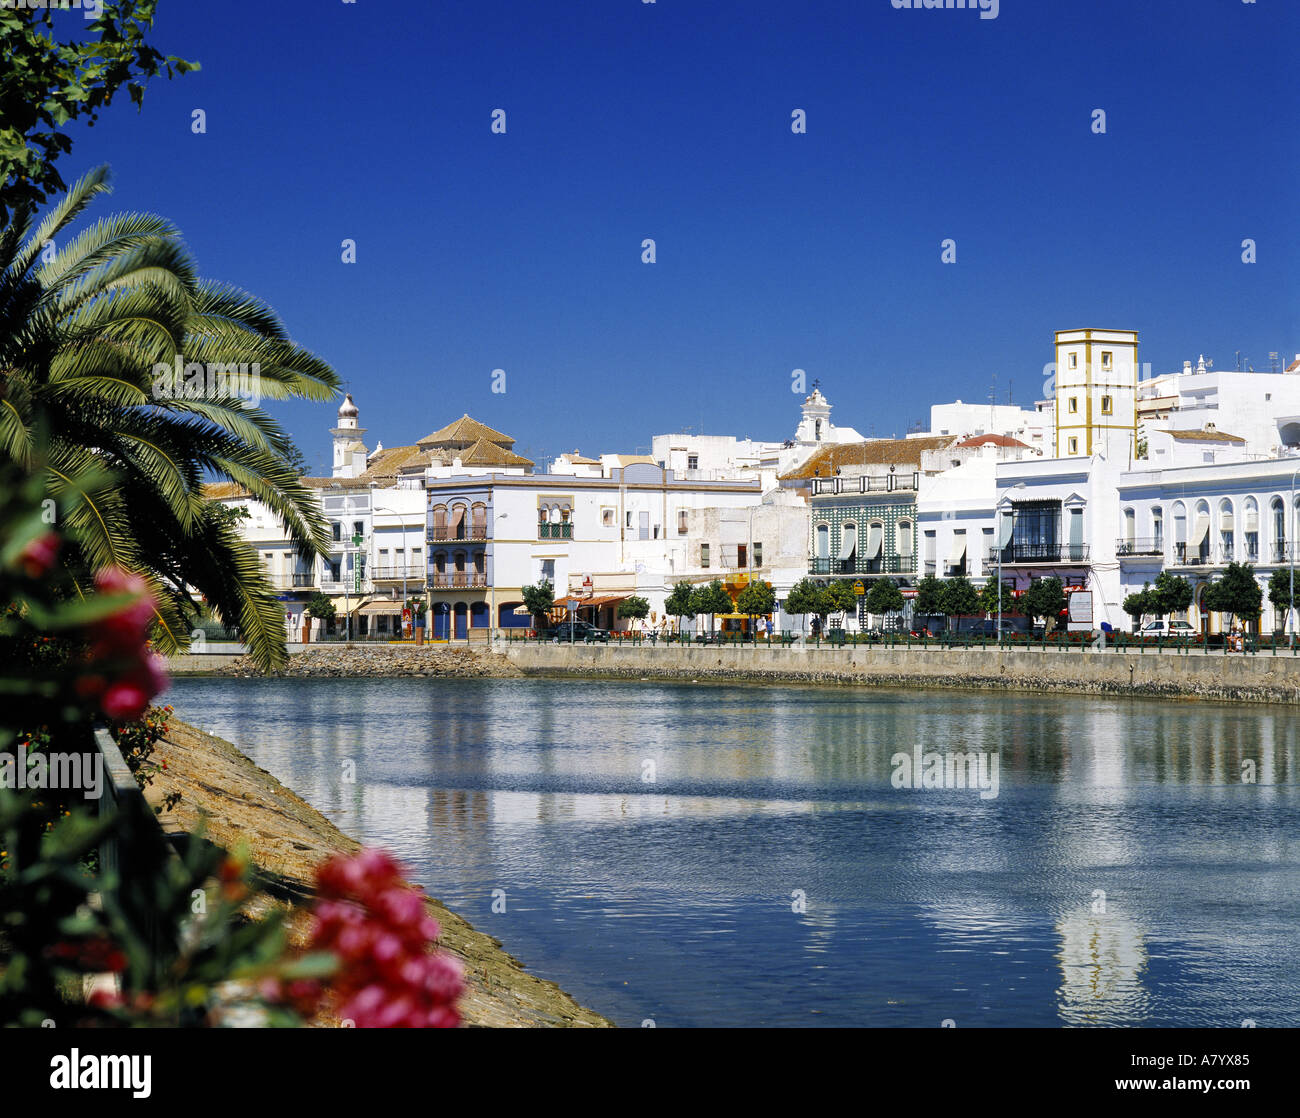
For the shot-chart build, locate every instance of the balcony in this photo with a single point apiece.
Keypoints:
(864, 483)
(449, 533)
(297, 580)
(1152, 546)
(1046, 554)
(884, 565)
(397, 574)
(458, 580)
(555, 531)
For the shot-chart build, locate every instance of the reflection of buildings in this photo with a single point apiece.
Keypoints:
(1102, 958)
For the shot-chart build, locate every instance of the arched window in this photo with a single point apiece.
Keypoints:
(478, 520)
(1130, 528)
(1227, 531)
(1198, 550)
(1180, 532)
(1158, 529)
(823, 550)
(1250, 530)
(439, 522)
(817, 430)
(1278, 509)
(458, 522)
(903, 539)
(848, 545)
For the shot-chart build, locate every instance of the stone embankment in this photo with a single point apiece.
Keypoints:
(287, 838)
(1257, 678)
(336, 661)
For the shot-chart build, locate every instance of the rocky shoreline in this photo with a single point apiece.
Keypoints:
(287, 838)
(373, 661)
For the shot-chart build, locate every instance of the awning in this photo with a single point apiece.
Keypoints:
(344, 603)
(875, 537)
(958, 549)
(1200, 530)
(1225, 522)
(522, 611)
(1252, 520)
(604, 600)
(372, 608)
(1004, 533)
(848, 544)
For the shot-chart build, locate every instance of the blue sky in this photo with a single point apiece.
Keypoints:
(775, 251)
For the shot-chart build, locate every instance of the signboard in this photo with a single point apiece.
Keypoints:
(1080, 615)
(859, 588)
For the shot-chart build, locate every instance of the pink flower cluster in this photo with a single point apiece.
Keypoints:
(376, 923)
(120, 642)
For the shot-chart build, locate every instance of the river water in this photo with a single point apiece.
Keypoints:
(753, 855)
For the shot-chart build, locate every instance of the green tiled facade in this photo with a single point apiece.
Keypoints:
(835, 511)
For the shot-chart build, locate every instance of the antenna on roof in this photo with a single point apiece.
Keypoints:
(1272, 361)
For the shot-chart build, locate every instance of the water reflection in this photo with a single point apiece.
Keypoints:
(675, 896)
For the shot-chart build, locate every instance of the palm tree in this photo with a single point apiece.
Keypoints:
(84, 334)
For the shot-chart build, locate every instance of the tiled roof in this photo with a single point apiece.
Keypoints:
(1205, 437)
(389, 461)
(873, 452)
(464, 432)
(222, 490)
(485, 453)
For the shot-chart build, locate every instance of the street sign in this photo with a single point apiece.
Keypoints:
(859, 588)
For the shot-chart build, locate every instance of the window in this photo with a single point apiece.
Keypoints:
(1073, 361)
(629, 518)
(383, 556)
(1130, 526)
(1074, 404)
(758, 554)
(1158, 528)
(337, 529)
(1105, 360)
(692, 461)
(903, 538)
(358, 527)
(681, 522)
(607, 518)
(548, 570)
(704, 555)
(742, 555)
(1106, 408)
(1073, 446)
(823, 541)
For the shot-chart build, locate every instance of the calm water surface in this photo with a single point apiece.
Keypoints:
(771, 874)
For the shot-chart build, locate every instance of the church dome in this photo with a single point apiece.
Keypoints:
(348, 410)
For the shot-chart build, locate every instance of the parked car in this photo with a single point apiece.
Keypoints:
(578, 631)
(1168, 629)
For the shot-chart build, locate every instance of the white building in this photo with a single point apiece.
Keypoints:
(1096, 393)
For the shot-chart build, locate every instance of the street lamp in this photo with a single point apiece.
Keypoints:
(1001, 549)
(1290, 603)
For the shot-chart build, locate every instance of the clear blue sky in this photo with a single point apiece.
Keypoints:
(776, 251)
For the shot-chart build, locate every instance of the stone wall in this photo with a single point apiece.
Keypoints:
(1261, 678)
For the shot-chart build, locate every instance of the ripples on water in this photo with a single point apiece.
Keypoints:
(1123, 875)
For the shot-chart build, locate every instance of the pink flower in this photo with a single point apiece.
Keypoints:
(124, 700)
(37, 558)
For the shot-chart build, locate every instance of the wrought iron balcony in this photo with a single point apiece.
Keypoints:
(458, 580)
(883, 565)
(397, 574)
(554, 531)
(1048, 554)
(1151, 546)
(452, 532)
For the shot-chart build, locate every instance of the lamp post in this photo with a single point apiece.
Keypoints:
(1290, 603)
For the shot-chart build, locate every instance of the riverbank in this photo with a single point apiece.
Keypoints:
(1255, 679)
(288, 838)
(336, 661)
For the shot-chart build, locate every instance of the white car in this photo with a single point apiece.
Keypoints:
(1168, 629)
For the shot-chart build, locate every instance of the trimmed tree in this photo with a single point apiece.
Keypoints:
(321, 608)
(884, 598)
(1138, 604)
(710, 601)
(1279, 593)
(988, 598)
(803, 599)
(540, 600)
(843, 597)
(756, 600)
(959, 597)
(679, 603)
(1236, 594)
(1045, 598)
(929, 596)
(634, 607)
(1170, 594)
